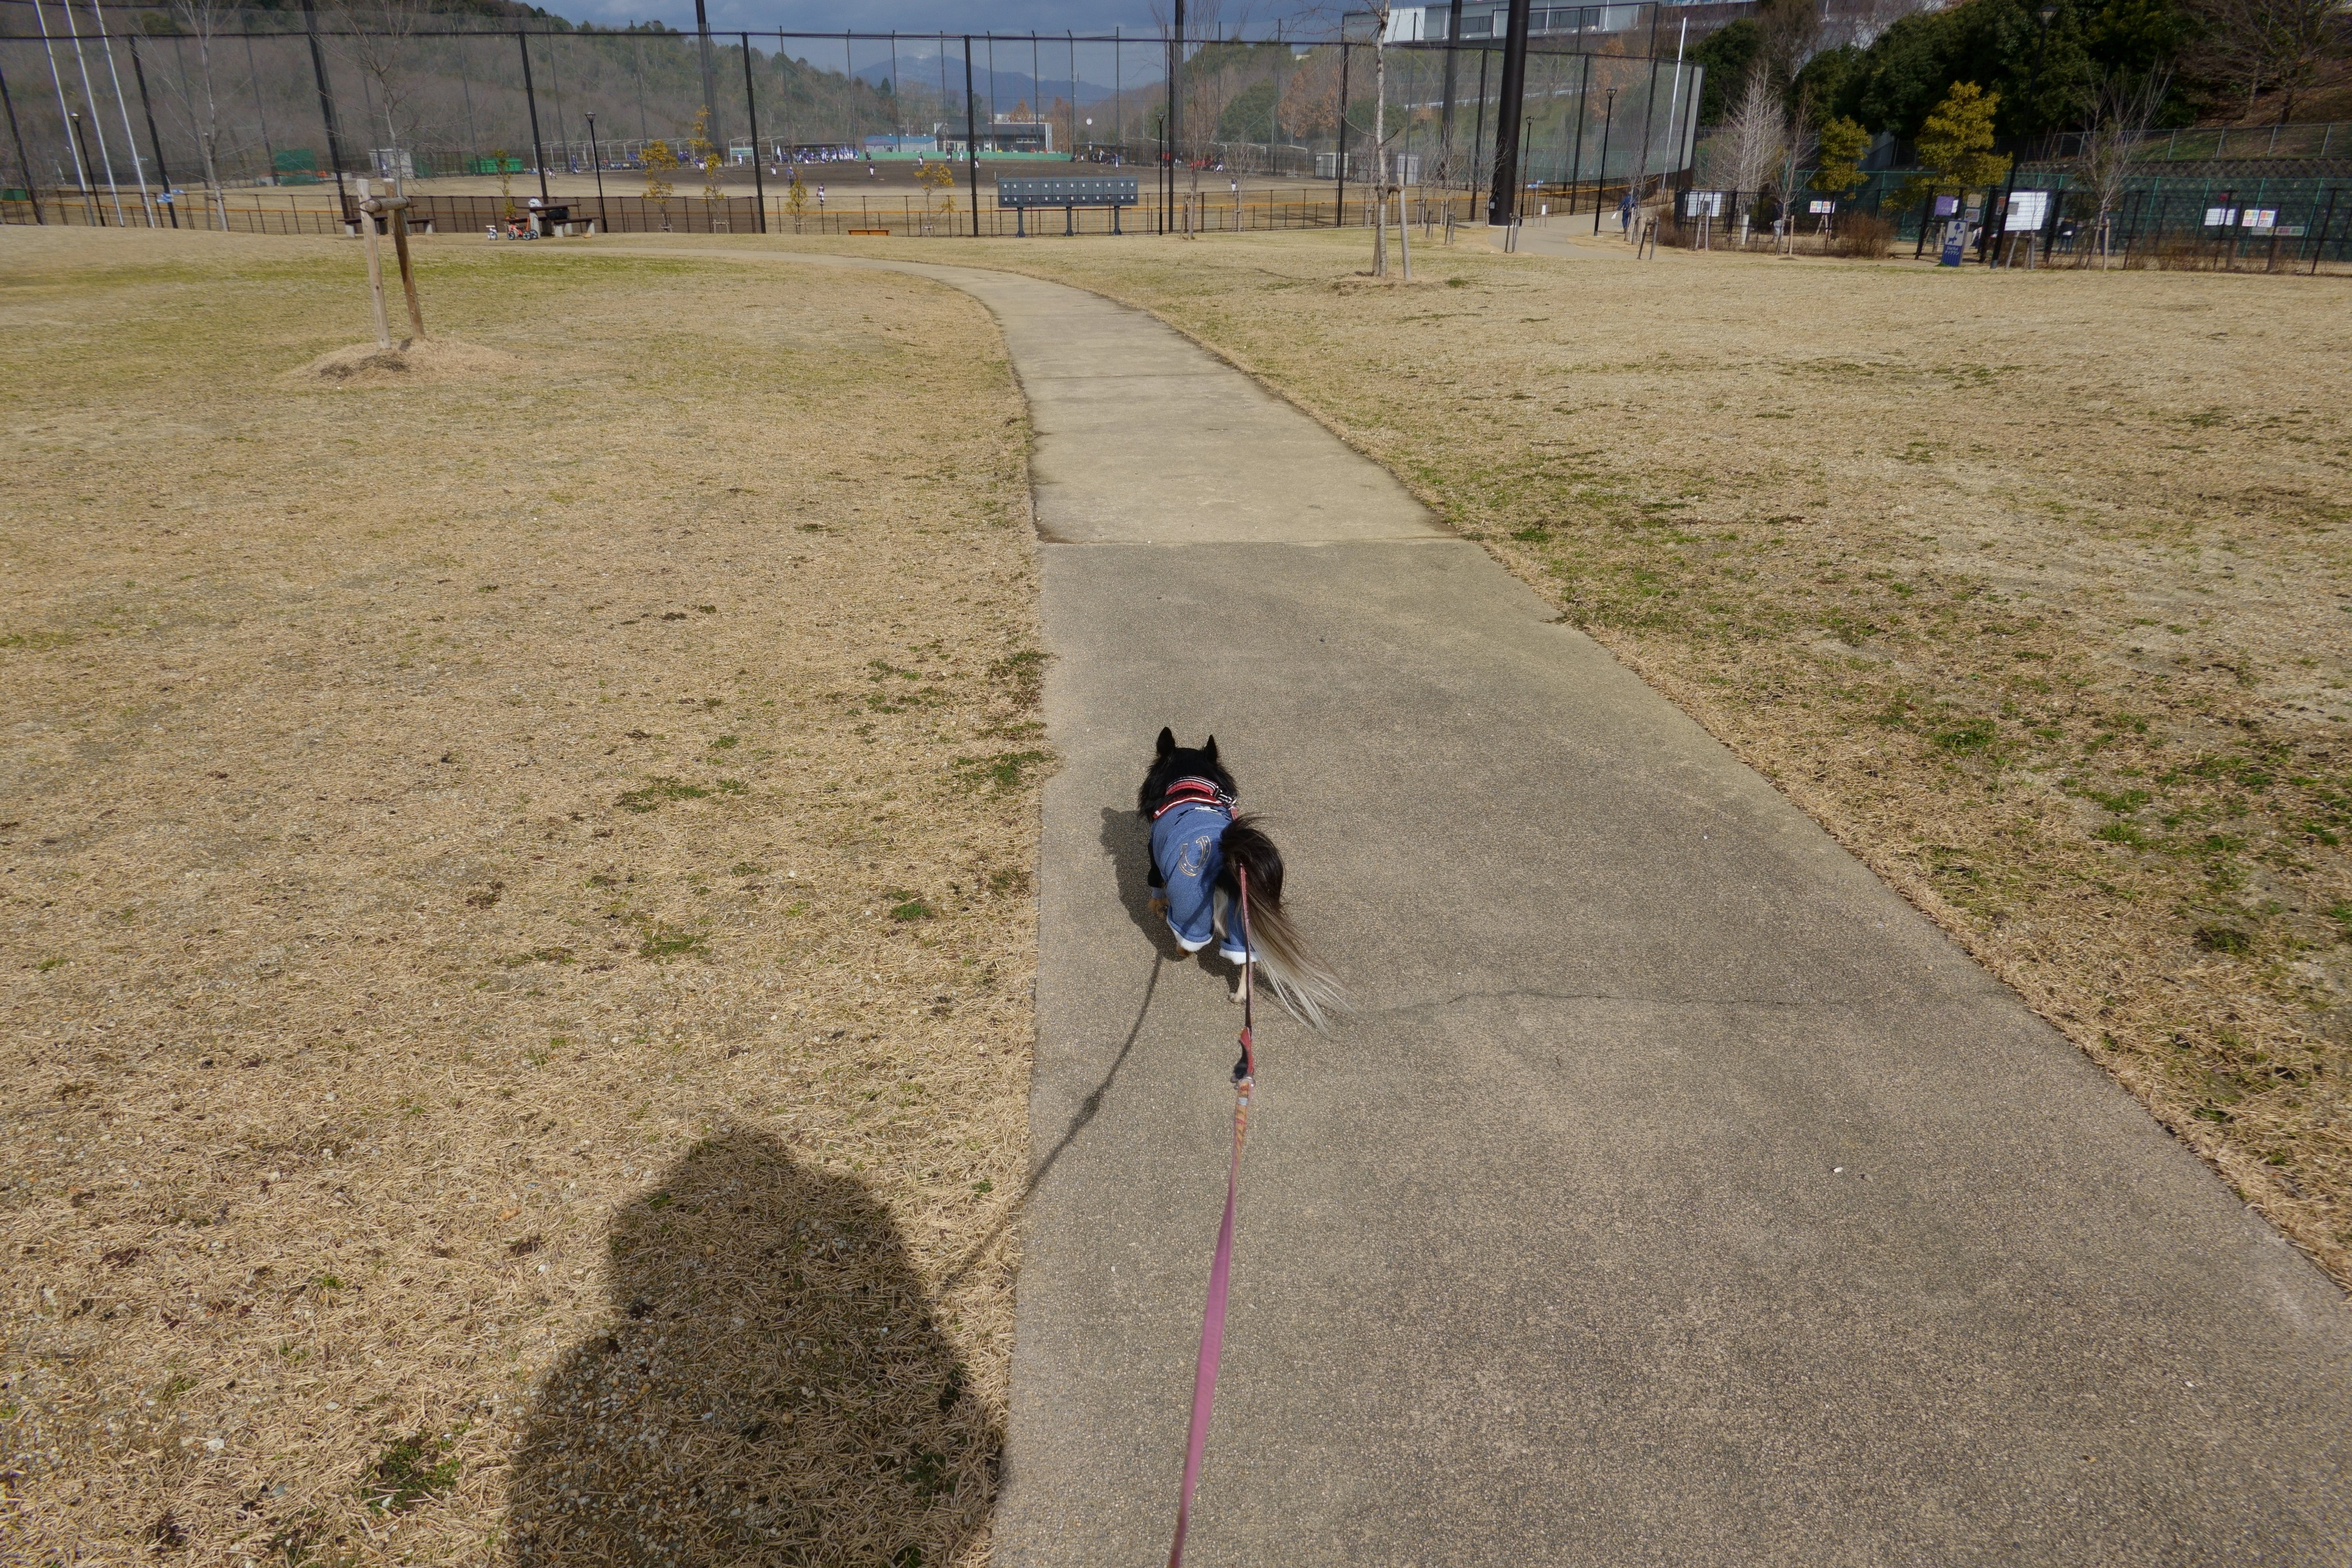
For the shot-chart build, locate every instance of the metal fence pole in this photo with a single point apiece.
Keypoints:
(1576, 170)
(752, 114)
(32, 187)
(326, 106)
(1339, 139)
(139, 74)
(2318, 250)
(971, 138)
(702, 48)
(1503, 196)
(530, 97)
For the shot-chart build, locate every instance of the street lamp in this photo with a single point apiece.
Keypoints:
(88, 205)
(597, 158)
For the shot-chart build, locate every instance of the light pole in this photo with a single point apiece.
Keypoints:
(83, 144)
(1600, 176)
(598, 160)
(2033, 86)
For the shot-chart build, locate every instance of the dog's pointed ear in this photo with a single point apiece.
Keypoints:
(1167, 740)
(1210, 749)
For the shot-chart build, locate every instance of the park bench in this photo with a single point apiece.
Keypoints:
(1068, 191)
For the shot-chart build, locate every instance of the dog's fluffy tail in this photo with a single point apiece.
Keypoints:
(1304, 983)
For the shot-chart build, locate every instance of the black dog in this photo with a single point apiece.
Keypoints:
(1204, 857)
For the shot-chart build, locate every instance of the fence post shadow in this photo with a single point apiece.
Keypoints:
(770, 1383)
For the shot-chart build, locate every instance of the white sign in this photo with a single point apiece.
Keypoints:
(2262, 220)
(2028, 210)
(1702, 204)
(2220, 217)
(1822, 208)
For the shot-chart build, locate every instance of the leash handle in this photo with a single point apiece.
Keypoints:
(1221, 1270)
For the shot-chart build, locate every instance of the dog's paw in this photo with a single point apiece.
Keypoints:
(1159, 906)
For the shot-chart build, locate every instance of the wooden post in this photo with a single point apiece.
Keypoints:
(397, 207)
(375, 268)
(407, 271)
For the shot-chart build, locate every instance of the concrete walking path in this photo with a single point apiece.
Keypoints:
(1678, 1194)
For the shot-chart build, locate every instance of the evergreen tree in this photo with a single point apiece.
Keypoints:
(1955, 145)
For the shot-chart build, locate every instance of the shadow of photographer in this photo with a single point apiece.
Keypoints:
(772, 1386)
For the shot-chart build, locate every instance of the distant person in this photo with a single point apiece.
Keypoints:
(1625, 213)
(820, 195)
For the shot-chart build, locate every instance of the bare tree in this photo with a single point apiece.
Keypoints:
(2268, 46)
(197, 102)
(1755, 134)
(1861, 22)
(1790, 33)
(1310, 98)
(379, 38)
(1796, 146)
(2126, 106)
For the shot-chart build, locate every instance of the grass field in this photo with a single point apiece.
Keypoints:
(517, 909)
(2035, 589)
(517, 915)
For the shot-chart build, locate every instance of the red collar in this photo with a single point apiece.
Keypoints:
(1193, 791)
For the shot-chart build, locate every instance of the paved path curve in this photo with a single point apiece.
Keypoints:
(1678, 1194)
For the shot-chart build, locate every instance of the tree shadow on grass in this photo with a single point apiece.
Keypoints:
(772, 1387)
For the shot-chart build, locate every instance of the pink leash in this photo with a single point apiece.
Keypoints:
(1212, 1320)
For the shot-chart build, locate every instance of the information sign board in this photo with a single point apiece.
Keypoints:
(2027, 211)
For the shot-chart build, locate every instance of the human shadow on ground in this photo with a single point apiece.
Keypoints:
(773, 1387)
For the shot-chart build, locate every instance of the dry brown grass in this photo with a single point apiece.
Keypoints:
(516, 922)
(2034, 588)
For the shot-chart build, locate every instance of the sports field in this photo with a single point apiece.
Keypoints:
(2034, 588)
(518, 928)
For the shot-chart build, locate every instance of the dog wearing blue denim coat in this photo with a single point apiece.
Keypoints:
(1200, 838)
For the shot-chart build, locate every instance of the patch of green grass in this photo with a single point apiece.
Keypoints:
(662, 788)
(410, 1469)
(1024, 672)
(1005, 770)
(1851, 630)
(2224, 939)
(910, 908)
(1973, 735)
(663, 942)
(928, 1473)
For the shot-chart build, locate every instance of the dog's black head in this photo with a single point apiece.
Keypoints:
(1173, 761)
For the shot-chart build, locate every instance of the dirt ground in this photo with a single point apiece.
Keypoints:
(2033, 587)
(517, 915)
